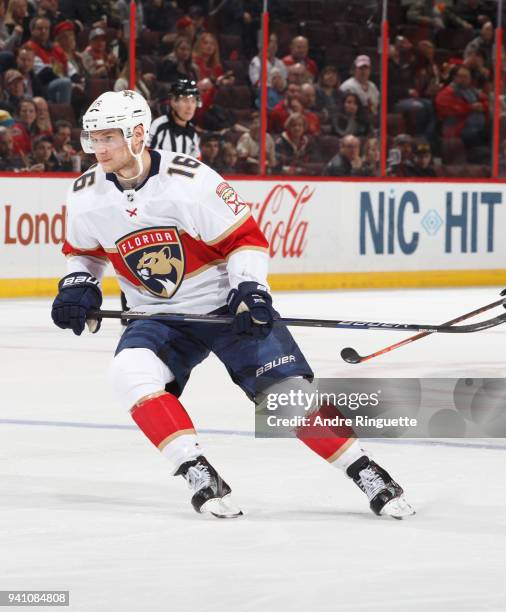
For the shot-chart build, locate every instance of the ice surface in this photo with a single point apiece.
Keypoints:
(86, 504)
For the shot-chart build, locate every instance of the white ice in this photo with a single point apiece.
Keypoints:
(87, 505)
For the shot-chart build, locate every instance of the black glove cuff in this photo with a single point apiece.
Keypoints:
(252, 288)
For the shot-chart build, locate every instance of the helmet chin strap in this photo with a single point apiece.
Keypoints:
(138, 159)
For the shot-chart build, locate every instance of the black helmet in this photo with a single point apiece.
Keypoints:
(184, 87)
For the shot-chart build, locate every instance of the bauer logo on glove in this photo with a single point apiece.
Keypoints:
(79, 295)
(78, 279)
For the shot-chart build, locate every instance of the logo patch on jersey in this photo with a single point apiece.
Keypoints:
(230, 197)
(155, 256)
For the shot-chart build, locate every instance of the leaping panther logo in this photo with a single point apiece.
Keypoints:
(156, 258)
(161, 266)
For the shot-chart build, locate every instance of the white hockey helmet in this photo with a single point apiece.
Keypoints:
(116, 109)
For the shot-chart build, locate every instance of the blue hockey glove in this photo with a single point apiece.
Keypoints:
(78, 295)
(251, 305)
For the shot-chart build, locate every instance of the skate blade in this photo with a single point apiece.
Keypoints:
(397, 508)
(222, 507)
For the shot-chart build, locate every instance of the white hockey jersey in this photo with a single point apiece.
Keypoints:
(178, 242)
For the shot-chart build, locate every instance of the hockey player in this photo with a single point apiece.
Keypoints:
(181, 240)
(175, 131)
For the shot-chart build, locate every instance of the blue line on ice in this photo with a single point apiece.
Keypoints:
(248, 434)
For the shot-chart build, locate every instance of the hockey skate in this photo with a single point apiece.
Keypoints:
(385, 496)
(211, 494)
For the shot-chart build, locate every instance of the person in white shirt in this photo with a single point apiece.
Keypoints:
(272, 62)
(360, 84)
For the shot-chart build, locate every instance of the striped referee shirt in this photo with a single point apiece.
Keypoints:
(166, 134)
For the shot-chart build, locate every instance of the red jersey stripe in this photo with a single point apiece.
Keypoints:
(247, 234)
(69, 250)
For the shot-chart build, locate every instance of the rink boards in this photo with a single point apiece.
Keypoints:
(323, 234)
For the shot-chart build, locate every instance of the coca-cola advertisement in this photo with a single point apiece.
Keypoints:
(284, 216)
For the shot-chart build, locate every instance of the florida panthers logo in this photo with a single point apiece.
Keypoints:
(155, 257)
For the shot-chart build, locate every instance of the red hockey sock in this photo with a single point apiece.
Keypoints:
(328, 441)
(162, 418)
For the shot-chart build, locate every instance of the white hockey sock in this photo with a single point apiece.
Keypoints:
(348, 456)
(181, 449)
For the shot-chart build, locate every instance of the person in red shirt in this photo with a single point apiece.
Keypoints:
(294, 148)
(206, 55)
(298, 99)
(64, 34)
(299, 50)
(289, 104)
(26, 128)
(463, 110)
(47, 53)
(50, 64)
(308, 101)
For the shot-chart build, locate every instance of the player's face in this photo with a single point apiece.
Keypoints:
(185, 106)
(110, 149)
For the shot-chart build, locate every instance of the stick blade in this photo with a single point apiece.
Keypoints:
(350, 355)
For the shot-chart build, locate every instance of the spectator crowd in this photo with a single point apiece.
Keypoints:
(323, 81)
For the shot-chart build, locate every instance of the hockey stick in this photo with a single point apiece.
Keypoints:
(350, 355)
(334, 324)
